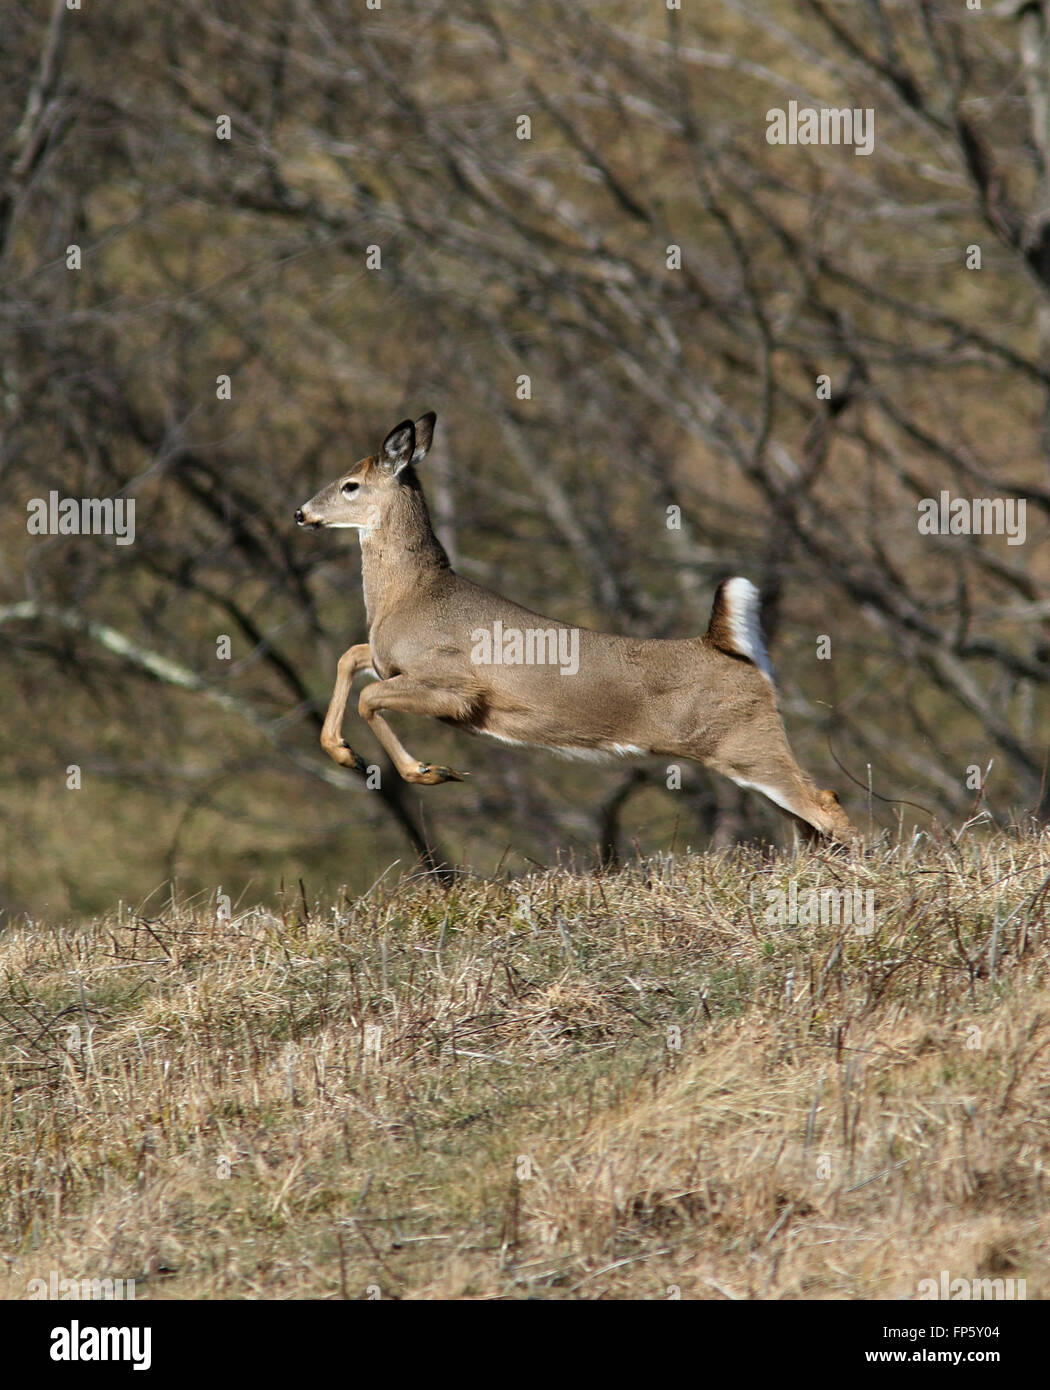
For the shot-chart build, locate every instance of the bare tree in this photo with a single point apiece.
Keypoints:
(661, 349)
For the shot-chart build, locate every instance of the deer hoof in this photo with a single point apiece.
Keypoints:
(355, 759)
(430, 776)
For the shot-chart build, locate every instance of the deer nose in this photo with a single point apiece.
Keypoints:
(298, 516)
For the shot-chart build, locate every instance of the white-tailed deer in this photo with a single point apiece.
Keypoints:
(444, 647)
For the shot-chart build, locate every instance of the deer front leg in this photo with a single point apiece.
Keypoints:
(356, 659)
(411, 697)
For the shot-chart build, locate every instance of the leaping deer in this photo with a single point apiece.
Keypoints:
(437, 644)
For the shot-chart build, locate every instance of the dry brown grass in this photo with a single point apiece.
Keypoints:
(845, 1115)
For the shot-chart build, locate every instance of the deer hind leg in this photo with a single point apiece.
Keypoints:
(759, 759)
(815, 811)
(409, 696)
(356, 659)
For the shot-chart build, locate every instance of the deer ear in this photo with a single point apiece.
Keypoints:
(424, 435)
(398, 447)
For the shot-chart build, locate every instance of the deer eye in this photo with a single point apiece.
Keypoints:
(348, 489)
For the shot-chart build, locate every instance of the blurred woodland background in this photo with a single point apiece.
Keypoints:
(651, 387)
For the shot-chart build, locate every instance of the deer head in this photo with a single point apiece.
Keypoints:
(363, 496)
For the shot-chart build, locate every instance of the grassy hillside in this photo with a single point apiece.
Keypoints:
(564, 1086)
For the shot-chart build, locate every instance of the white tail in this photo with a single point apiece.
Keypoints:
(442, 646)
(734, 618)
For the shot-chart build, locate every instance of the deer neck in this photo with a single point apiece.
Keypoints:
(401, 554)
